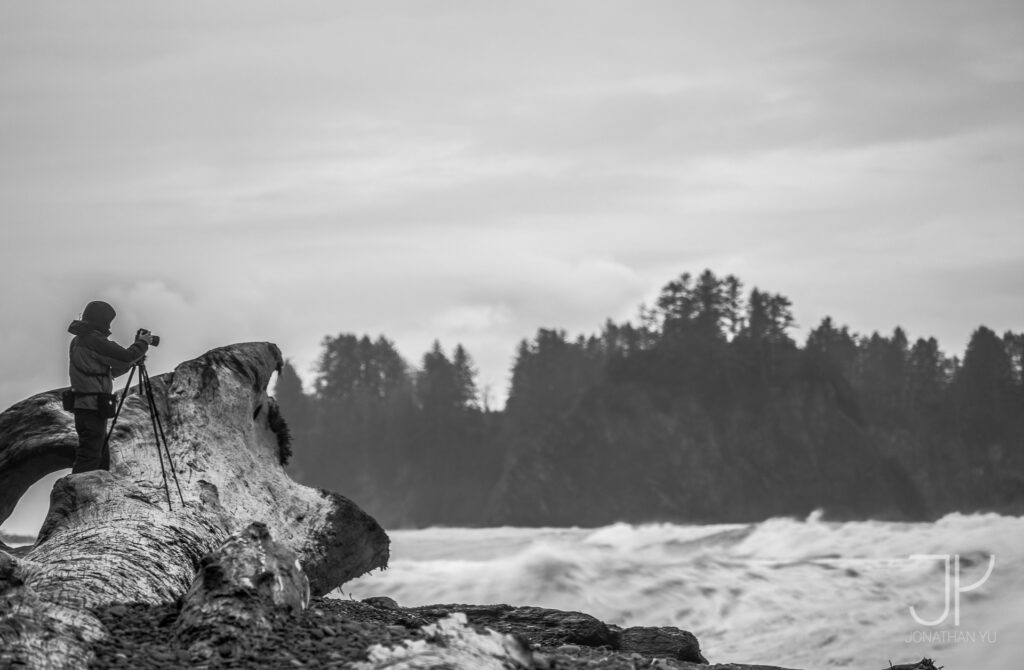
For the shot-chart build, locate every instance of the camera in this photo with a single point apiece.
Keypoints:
(143, 331)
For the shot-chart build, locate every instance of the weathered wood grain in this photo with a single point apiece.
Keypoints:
(112, 537)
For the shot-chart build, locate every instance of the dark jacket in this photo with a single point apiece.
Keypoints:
(95, 360)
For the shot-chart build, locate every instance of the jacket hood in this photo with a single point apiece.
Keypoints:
(99, 314)
(79, 327)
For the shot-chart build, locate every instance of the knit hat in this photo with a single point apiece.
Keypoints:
(99, 314)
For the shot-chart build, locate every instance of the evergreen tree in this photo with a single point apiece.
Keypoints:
(881, 375)
(450, 438)
(548, 376)
(711, 308)
(835, 346)
(438, 387)
(350, 366)
(465, 377)
(363, 414)
(676, 303)
(291, 398)
(984, 386)
(1013, 343)
(734, 306)
(986, 377)
(764, 340)
(338, 370)
(927, 374)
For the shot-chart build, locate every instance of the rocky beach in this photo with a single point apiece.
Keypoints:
(334, 633)
(377, 634)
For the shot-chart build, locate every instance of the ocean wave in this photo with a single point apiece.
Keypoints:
(797, 592)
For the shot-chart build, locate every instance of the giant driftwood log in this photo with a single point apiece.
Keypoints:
(113, 537)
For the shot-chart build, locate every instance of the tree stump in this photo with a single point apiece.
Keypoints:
(113, 536)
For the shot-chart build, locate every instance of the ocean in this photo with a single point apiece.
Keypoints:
(796, 593)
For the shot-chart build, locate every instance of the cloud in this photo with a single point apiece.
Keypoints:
(471, 318)
(236, 172)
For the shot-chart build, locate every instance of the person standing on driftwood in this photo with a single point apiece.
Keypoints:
(94, 362)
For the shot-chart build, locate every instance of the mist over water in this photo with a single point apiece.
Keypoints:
(802, 594)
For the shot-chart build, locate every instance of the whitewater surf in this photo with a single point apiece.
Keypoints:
(795, 593)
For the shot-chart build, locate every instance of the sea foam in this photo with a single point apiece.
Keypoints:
(799, 593)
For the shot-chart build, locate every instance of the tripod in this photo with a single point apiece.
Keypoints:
(146, 389)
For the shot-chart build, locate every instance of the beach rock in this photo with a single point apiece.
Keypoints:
(663, 641)
(451, 643)
(537, 625)
(923, 664)
(382, 601)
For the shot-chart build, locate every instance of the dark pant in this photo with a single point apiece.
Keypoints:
(92, 453)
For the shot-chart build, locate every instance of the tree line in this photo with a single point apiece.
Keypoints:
(703, 409)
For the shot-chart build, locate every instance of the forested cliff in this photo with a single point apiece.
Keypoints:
(704, 410)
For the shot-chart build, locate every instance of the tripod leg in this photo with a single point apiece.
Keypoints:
(120, 404)
(163, 440)
(144, 383)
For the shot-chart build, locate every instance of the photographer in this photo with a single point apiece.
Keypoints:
(95, 361)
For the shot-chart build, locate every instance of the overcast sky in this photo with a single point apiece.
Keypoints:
(472, 171)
